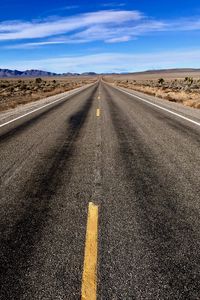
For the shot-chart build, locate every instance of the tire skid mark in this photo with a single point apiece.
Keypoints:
(15, 165)
(175, 124)
(20, 128)
(16, 248)
(163, 222)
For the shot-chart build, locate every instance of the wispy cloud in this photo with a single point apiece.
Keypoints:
(124, 38)
(99, 32)
(61, 9)
(36, 44)
(187, 24)
(41, 29)
(113, 4)
(114, 62)
(68, 7)
(109, 26)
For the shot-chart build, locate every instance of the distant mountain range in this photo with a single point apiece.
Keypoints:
(6, 73)
(178, 70)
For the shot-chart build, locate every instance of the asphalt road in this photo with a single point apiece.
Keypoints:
(139, 163)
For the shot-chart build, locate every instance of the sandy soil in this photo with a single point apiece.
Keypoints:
(181, 87)
(16, 91)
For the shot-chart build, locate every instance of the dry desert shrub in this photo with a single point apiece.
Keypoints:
(15, 92)
(185, 91)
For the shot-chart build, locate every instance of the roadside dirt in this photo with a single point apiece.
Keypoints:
(14, 92)
(184, 89)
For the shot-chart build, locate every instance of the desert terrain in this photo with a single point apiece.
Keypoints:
(19, 91)
(176, 86)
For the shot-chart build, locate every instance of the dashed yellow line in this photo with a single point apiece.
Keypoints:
(98, 112)
(89, 279)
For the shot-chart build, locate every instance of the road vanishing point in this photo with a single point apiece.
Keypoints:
(100, 198)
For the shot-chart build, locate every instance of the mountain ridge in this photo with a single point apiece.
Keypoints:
(8, 73)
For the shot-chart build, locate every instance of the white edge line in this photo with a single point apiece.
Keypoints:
(158, 106)
(39, 108)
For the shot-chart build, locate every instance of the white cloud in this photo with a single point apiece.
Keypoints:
(35, 44)
(110, 26)
(187, 25)
(99, 32)
(124, 38)
(113, 62)
(9, 26)
(47, 28)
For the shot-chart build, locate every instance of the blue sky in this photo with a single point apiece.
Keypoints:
(106, 36)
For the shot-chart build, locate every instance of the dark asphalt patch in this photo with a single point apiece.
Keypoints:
(163, 222)
(17, 248)
(32, 119)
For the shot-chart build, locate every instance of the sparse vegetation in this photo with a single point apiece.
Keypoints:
(38, 80)
(189, 80)
(185, 90)
(21, 91)
(161, 81)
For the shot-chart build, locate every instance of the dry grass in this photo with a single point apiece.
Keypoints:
(14, 92)
(172, 89)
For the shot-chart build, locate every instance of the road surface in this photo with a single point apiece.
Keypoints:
(137, 159)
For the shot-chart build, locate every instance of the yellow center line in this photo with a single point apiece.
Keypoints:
(98, 112)
(89, 279)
